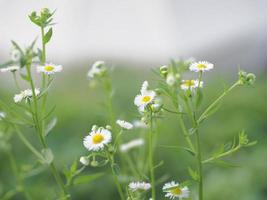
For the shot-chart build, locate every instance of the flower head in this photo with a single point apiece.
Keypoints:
(49, 69)
(132, 144)
(97, 139)
(97, 69)
(10, 69)
(173, 190)
(125, 125)
(191, 84)
(145, 98)
(201, 66)
(139, 186)
(26, 94)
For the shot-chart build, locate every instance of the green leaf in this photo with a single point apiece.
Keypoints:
(48, 35)
(25, 77)
(194, 174)
(50, 125)
(86, 178)
(179, 148)
(73, 167)
(199, 98)
(225, 164)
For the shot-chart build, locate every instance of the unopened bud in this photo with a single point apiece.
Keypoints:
(84, 160)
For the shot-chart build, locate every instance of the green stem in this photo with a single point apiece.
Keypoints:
(150, 157)
(200, 170)
(115, 177)
(217, 101)
(222, 155)
(40, 130)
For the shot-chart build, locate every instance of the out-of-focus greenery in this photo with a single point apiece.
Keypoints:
(78, 107)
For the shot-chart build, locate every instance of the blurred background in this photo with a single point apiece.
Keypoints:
(134, 37)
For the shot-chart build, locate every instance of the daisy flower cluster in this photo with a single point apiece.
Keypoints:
(139, 186)
(25, 94)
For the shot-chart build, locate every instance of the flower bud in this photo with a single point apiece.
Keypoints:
(163, 70)
(246, 78)
(45, 11)
(84, 160)
(94, 163)
(108, 127)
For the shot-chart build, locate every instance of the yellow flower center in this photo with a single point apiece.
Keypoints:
(49, 68)
(201, 66)
(176, 191)
(97, 138)
(189, 83)
(146, 99)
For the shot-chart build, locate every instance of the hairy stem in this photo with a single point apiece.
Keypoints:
(150, 157)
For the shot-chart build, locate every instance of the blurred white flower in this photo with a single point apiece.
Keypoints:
(170, 80)
(125, 125)
(97, 69)
(201, 66)
(146, 97)
(132, 144)
(26, 94)
(139, 186)
(84, 160)
(49, 68)
(173, 191)
(2, 115)
(139, 124)
(10, 69)
(191, 84)
(97, 139)
(15, 55)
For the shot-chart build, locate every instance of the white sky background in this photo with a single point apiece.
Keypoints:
(144, 32)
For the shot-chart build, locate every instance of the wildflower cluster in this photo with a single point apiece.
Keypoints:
(132, 162)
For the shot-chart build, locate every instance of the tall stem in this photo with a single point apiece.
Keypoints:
(151, 162)
(115, 177)
(200, 170)
(40, 130)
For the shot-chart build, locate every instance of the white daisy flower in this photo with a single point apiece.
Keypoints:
(98, 68)
(170, 80)
(97, 139)
(15, 55)
(201, 66)
(125, 125)
(49, 68)
(10, 69)
(145, 98)
(84, 160)
(132, 144)
(26, 94)
(139, 186)
(191, 84)
(173, 190)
